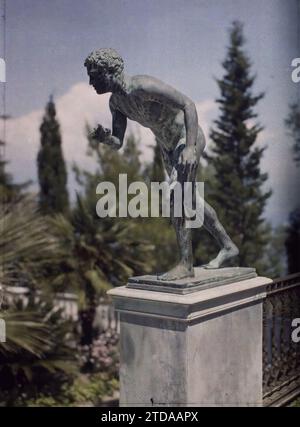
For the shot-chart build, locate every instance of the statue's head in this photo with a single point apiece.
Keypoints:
(105, 69)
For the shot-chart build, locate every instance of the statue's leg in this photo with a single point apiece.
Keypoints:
(183, 234)
(216, 229)
(184, 241)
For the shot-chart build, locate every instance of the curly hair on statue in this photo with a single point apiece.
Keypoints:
(107, 60)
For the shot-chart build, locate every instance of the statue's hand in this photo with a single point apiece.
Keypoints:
(188, 156)
(101, 134)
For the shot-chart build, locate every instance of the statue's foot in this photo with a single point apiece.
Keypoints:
(224, 255)
(181, 271)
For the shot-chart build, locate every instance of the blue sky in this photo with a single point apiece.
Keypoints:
(180, 41)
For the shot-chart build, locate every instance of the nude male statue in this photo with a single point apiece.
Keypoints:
(172, 117)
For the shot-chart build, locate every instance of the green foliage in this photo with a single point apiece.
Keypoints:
(155, 171)
(292, 242)
(101, 253)
(7, 188)
(86, 390)
(295, 403)
(274, 259)
(92, 389)
(292, 123)
(37, 354)
(27, 244)
(52, 172)
(9, 191)
(161, 235)
(237, 191)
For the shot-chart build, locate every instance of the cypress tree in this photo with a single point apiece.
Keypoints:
(9, 191)
(7, 188)
(292, 242)
(292, 123)
(52, 174)
(237, 190)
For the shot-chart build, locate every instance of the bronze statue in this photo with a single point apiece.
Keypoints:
(172, 117)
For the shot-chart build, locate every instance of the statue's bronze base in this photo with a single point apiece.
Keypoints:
(203, 279)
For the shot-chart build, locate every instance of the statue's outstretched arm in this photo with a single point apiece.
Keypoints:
(115, 138)
(119, 124)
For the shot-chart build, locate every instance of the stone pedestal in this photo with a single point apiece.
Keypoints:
(202, 348)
